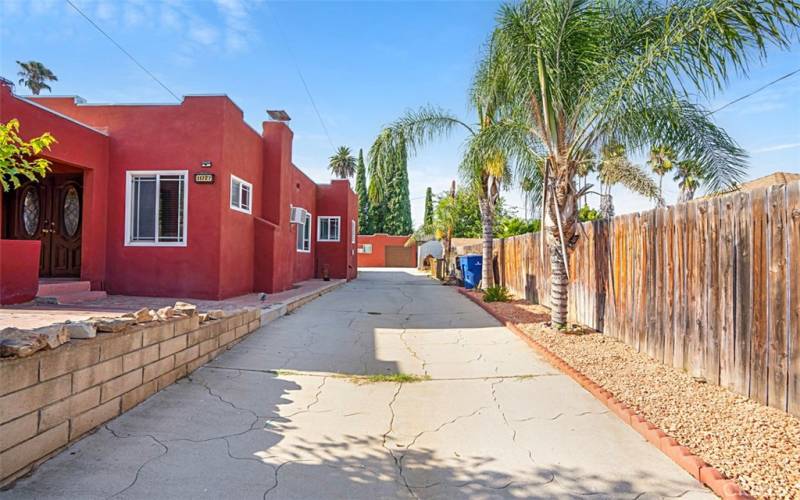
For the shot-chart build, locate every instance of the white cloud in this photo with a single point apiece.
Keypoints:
(777, 147)
(105, 11)
(226, 24)
(236, 16)
(203, 34)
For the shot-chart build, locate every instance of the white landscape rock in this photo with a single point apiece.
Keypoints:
(80, 329)
(216, 314)
(53, 335)
(185, 308)
(165, 313)
(19, 343)
(143, 315)
(22, 343)
(112, 325)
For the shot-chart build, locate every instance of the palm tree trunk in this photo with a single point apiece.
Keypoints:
(686, 195)
(558, 287)
(660, 201)
(566, 203)
(606, 206)
(487, 222)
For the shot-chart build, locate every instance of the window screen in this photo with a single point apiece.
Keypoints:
(156, 208)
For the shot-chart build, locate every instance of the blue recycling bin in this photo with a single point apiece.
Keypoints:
(471, 269)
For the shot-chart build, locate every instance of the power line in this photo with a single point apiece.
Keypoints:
(151, 75)
(756, 91)
(288, 48)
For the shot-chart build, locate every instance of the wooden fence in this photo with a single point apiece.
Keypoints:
(711, 287)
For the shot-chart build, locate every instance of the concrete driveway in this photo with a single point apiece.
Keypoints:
(278, 416)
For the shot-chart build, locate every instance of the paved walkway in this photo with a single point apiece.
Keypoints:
(33, 315)
(275, 417)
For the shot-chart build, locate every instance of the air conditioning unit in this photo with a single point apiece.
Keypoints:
(297, 215)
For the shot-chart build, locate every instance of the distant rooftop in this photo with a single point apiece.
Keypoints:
(773, 179)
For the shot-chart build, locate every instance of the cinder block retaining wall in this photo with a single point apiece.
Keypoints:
(54, 397)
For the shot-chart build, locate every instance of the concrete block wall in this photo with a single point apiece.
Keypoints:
(54, 397)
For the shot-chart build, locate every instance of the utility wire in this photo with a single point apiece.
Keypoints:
(756, 91)
(151, 75)
(288, 48)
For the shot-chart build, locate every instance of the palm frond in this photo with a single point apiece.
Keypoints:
(523, 157)
(619, 170)
(406, 135)
(689, 130)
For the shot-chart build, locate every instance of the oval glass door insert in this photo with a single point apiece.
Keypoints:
(72, 212)
(30, 211)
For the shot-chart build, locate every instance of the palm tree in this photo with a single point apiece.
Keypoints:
(588, 72)
(616, 169)
(342, 164)
(34, 74)
(688, 175)
(661, 161)
(490, 157)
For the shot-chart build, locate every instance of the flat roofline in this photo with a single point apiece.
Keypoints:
(60, 115)
(330, 183)
(80, 101)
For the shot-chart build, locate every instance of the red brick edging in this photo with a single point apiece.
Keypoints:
(708, 475)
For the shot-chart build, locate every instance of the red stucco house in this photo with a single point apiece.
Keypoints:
(183, 200)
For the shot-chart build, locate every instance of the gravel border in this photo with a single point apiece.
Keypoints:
(756, 445)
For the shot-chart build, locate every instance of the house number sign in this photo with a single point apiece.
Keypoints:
(204, 178)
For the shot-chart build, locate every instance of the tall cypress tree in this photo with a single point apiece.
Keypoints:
(397, 201)
(376, 218)
(361, 191)
(375, 212)
(427, 221)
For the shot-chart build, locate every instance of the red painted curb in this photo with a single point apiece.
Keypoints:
(710, 476)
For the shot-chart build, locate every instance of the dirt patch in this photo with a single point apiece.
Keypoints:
(756, 445)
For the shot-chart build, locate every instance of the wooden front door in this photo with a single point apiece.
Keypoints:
(49, 211)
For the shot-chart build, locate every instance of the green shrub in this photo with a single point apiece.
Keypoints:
(586, 214)
(496, 293)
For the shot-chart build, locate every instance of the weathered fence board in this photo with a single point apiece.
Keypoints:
(744, 295)
(758, 355)
(793, 271)
(711, 287)
(725, 305)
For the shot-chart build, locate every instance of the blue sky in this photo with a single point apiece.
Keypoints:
(364, 62)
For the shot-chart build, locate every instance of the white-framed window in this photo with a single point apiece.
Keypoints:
(156, 205)
(353, 231)
(365, 248)
(328, 228)
(241, 195)
(304, 233)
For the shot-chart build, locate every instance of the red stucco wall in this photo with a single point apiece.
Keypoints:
(227, 252)
(274, 254)
(242, 157)
(379, 243)
(77, 146)
(304, 195)
(185, 136)
(337, 198)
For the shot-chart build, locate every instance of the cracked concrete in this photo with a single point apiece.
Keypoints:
(280, 415)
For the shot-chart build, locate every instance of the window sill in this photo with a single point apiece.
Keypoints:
(237, 209)
(154, 244)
